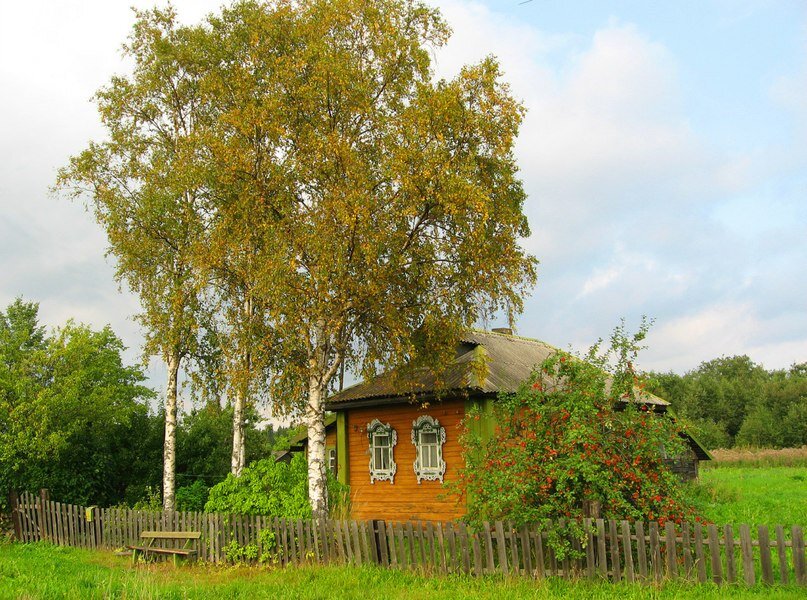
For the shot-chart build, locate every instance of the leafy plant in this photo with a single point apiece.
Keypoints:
(192, 497)
(152, 500)
(577, 431)
(265, 487)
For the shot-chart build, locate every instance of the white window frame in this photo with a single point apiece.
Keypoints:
(332, 460)
(428, 424)
(379, 473)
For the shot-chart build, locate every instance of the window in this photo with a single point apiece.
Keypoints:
(428, 438)
(382, 439)
(332, 460)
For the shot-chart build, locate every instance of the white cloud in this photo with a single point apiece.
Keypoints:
(632, 209)
(719, 330)
(633, 212)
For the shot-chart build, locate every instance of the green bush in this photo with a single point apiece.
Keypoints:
(568, 436)
(192, 497)
(265, 487)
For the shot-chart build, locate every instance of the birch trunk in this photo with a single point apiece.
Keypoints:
(239, 454)
(238, 458)
(315, 422)
(170, 443)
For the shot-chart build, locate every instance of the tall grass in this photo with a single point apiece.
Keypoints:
(758, 457)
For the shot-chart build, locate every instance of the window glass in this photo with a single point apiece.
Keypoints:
(428, 437)
(382, 438)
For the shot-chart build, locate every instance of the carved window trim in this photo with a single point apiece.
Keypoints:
(434, 471)
(376, 432)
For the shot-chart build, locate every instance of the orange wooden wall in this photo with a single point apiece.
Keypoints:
(404, 499)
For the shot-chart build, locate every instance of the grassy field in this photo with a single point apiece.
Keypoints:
(753, 494)
(759, 457)
(42, 571)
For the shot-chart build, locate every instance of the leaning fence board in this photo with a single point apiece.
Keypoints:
(465, 548)
(477, 551)
(699, 555)
(614, 545)
(490, 562)
(524, 538)
(410, 545)
(451, 547)
(430, 537)
(359, 552)
(602, 556)
(655, 552)
(781, 550)
(627, 549)
(672, 554)
(748, 554)
(538, 543)
(588, 526)
(731, 565)
(797, 549)
(501, 547)
(514, 559)
(714, 552)
(765, 554)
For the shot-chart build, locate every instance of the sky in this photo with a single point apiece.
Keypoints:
(664, 154)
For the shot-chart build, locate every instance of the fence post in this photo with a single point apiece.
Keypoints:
(14, 504)
(44, 528)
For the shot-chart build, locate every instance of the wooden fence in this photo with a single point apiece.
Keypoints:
(612, 550)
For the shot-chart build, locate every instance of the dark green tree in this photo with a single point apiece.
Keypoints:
(73, 417)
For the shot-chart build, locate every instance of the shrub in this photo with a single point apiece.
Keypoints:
(576, 431)
(265, 487)
(192, 497)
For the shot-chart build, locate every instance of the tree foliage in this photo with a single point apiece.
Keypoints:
(576, 432)
(295, 170)
(733, 401)
(144, 184)
(265, 487)
(70, 412)
(381, 208)
(204, 443)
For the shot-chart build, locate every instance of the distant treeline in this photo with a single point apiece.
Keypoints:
(732, 401)
(76, 420)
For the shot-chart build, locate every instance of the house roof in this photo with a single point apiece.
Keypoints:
(486, 362)
(299, 441)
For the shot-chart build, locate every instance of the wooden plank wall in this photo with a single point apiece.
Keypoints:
(612, 550)
(410, 500)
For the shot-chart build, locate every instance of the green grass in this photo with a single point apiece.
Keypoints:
(753, 495)
(44, 571)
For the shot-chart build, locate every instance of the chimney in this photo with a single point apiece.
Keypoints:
(502, 330)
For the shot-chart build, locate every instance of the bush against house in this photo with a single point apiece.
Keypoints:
(577, 432)
(273, 488)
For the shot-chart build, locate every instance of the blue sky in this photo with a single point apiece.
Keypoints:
(664, 154)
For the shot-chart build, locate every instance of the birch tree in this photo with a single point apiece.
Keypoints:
(144, 184)
(387, 203)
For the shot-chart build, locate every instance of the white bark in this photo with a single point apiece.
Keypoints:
(315, 422)
(238, 457)
(170, 443)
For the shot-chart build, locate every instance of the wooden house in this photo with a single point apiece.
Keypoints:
(397, 454)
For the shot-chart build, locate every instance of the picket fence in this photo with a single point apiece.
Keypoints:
(614, 550)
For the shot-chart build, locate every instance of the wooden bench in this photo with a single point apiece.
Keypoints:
(149, 548)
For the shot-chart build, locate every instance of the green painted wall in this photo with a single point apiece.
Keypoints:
(342, 460)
